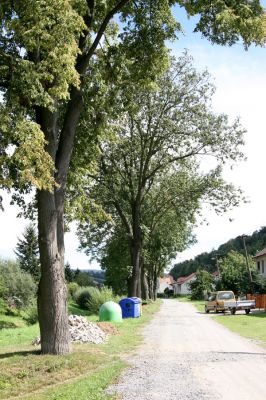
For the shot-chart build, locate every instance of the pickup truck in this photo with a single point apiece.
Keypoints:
(226, 301)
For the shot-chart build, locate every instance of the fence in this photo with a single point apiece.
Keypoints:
(260, 300)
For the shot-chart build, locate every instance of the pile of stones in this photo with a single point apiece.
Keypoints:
(82, 331)
(85, 332)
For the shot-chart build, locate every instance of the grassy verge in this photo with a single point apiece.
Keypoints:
(83, 374)
(199, 304)
(251, 326)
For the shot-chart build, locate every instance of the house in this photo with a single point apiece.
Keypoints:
(165, 282)
(216, 275)
(181, 286)
(260, 259)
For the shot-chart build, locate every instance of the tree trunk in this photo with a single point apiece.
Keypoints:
(135, 260)
(144, 282)
(52, 294)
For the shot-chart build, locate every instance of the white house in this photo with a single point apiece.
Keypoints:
(260, 259)
(165, 282)
(181, 286)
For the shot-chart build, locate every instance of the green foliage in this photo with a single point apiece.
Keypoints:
(30, 314)
(99, 297)
(20, 286)
(234, 273)
(203, 284)
(84, 279)
(254, 243)
(69, 273)
(72, 287)
(82, 296)
(27, 252)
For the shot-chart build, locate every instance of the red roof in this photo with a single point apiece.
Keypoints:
(167, 279)
(215, 273)
(260, 253)
(184, 279)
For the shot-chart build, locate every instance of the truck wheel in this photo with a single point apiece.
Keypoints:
(247, 311)
(233, 311)
(206, 310)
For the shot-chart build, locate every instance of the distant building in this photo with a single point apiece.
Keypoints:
(165, 282)
(260, 259)
(182, 285)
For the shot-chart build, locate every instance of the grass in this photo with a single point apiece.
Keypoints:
(88, 370)
(251, 326)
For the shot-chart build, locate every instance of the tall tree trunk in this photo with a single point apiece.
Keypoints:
(52, 294)
(144, 282)
(135, 260)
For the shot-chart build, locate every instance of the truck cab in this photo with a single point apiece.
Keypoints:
(217, 301)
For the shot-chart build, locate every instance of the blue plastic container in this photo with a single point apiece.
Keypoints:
(131, 307)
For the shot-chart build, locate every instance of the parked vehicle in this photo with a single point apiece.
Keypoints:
(226, 301)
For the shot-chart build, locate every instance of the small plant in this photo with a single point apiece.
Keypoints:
(30, 315)
(99, 297)
(82, 296)
(72, 287)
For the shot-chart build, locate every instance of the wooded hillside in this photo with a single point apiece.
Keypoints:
(254, 243)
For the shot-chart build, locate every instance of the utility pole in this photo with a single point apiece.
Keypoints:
(248, 266)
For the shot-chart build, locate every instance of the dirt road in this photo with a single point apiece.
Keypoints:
(188, 356)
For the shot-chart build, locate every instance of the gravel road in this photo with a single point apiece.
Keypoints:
(188, 356)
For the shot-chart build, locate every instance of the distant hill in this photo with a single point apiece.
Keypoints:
(254, 243)
(97, 274)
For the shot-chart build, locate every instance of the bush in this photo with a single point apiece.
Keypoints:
(72, 287)
(30, 315)
(3, 306)
(99, 297)
(82, 296)
(20, 288)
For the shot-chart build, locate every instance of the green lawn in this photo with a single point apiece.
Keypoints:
(87, 370)
(252, 326)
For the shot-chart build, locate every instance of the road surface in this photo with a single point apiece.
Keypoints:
(188, 356)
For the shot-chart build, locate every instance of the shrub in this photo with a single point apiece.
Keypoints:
(82, 296)
(20, 286)
(3, 306)
(30, 315)
(99, 297)
(72, 287)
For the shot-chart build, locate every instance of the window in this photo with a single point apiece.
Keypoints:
(258, 266)
(226, 296)
(262, 267)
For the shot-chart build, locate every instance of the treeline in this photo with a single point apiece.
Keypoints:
(208, 261)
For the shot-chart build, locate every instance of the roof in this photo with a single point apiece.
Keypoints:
(184, 279)
(215, 274)
(260, 253)
(167, 279)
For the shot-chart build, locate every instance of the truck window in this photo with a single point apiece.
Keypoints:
(226, 296)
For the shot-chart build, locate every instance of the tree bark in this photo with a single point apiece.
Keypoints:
(135, 260)
(52, 294)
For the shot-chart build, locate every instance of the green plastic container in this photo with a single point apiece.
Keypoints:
(110, 311)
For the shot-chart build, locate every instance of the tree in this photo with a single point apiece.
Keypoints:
(84, 279)
(27, 251)
(19, 285)
(48, 49)
(235, 274)
(69, 273)
(203, 284)
(164, 132)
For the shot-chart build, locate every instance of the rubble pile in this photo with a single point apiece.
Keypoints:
(83, 331)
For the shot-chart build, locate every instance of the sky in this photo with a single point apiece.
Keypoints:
(240, 79)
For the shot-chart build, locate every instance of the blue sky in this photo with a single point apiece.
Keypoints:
(240, 79)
